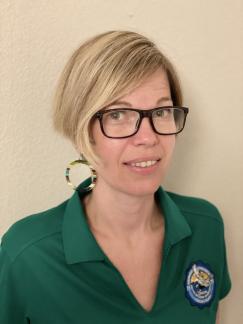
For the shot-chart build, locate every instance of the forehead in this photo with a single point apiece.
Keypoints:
(150, 92)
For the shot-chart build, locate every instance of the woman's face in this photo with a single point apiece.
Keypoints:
(117, 169)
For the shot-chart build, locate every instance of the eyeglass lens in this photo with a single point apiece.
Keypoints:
(124, 122)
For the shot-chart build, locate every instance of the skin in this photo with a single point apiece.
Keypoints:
(124, 198)
(217, 317)
(127, 213)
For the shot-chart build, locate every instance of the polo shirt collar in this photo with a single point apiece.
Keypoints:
(80, 244)
(176, 225)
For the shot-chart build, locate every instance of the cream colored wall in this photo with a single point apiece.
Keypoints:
(203, 39)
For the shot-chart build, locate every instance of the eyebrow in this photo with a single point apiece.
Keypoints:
(164, 99)
(127, 104)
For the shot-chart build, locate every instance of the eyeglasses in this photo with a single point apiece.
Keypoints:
(125, 122)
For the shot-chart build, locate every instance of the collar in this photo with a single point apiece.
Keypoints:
(80, 244)
(176, 225)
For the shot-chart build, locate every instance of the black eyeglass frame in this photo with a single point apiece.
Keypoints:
(142, 114)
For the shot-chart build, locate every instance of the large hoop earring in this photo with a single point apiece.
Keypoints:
(82, 160)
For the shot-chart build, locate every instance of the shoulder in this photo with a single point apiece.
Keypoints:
(196, 208)
(31, 229)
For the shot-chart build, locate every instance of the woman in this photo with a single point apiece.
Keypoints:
(121, 249)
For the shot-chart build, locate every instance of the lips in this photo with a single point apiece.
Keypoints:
(143, 162)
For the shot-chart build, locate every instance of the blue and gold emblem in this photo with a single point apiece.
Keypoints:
(200, 284)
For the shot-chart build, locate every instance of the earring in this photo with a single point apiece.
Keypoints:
(82, 160)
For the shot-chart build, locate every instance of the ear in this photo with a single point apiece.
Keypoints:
(91, 140)
(77, 148)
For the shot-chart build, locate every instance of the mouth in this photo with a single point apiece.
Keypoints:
(143, 164)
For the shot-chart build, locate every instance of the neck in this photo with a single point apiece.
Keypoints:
(117, 214)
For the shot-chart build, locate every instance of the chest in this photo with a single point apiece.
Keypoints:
(93, 292)
(139, 267)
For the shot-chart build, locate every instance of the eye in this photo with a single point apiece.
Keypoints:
(116, 115)
(165, 112)
(158, 113)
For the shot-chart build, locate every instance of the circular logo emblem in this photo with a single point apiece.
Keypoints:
(199, 284)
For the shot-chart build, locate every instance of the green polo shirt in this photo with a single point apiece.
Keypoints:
(52, 270)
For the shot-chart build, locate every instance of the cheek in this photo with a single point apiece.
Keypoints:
(171, 142)
(108, 150)
(168, 144)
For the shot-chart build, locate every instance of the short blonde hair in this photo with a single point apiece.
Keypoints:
(103, 69)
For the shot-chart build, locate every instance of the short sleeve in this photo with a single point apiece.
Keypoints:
(225, 282)
(10, 300)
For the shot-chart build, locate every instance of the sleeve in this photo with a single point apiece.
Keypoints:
(225, 283)
(11, 311)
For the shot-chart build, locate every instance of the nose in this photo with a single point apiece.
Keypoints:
(146, 135)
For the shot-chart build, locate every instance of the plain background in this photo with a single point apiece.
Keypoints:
(204, 39)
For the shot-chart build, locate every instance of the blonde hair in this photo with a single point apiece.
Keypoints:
(101, 70)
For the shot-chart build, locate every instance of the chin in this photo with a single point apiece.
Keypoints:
(143, 188)
(137, 186)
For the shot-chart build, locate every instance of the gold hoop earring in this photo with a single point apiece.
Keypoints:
(82, 160)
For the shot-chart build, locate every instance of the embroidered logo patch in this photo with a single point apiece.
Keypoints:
(200, 284)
